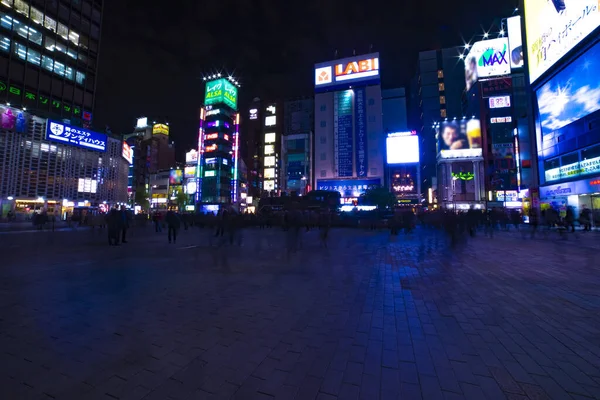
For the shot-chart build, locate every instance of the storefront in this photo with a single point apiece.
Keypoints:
(579, 195)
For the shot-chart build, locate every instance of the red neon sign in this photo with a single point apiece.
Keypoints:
(211, 136)
(210, 148)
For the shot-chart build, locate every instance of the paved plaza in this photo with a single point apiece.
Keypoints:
(371, 317)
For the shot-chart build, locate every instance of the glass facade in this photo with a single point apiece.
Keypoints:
(49, 49)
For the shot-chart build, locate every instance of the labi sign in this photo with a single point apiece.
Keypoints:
(490, 56)
(221, 91)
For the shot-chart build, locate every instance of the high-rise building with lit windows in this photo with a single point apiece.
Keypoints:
(218, 145)
(349, 139)
(49, 57)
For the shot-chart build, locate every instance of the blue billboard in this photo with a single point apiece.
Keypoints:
(571, 94)
(343, 132)
(359, 70)
(360, 116)
(349, 187)
(75, 136)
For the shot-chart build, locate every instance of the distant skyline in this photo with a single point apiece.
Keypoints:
(154, 68)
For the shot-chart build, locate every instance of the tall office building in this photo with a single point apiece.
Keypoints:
(297, 145)
(218, 143)
(436, 93)
(349, 137)
(49, 57)
(49, 159)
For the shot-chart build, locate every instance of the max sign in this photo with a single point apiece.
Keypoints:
(488, 58)
(348, 71)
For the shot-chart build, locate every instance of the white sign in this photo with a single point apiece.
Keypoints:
(554, 28)
(585, 167)
(191, 157)
(141, 123)
(487, 58)
(515, 41)
(271, 109)
(270, 137)
(271, 120)
(253, 113)
(462, 153)
(499, 102)
(500, 120)
(213, 112)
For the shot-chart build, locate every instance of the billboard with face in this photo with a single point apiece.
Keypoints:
(459, 139)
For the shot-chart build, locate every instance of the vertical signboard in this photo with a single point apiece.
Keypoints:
(504, 174)
(344, 133)
(362, 162)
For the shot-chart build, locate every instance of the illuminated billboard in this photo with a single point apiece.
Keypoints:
(75, 136)
(362, 69)
(221, 91)
(191, 157)
(459, 139)
(141, 123)
(515, 41)
(402, 148)
(160, 129)
(175, 177)
(554, 28)
(127, 153)
(189, 172)
(487, 58)
(571, 94)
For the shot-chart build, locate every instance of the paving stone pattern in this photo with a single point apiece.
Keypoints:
(371, 317)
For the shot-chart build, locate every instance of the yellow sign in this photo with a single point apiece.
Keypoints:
(160, 129)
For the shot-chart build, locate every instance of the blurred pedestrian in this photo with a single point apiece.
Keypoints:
(173, 224)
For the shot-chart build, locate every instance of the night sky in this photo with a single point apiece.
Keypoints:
(153, 55)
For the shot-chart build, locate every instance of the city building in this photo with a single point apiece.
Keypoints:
(436, 93)
(349, 138)
(297, 146)
(50, 166)
(402, 150)
(49, 57)
(219, 144)
(152, 151)
(564, 72)
(395, 118)
(251, 148)
(271, 145)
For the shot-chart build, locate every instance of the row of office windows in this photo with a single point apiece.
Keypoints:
(34, 57)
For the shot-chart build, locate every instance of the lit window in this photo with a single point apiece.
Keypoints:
(4, 43)
(440, 73)
(33, 56)
(49, 23)
(6, 21)
(48, 63)
(7, 2)
(269, 137)
(37, 16)
(442, 99)
(20, 51)
(22, 7)
(270, 161)
(443, 113)
(79, 77)
(63, 31)
(269, 173)
(74, 37)
(441, 87)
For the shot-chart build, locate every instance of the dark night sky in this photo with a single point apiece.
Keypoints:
(153, 54)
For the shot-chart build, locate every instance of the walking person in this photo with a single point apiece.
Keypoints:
(173, 224)
(124, 223)
(112, 222)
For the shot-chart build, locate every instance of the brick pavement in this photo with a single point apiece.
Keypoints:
(369, 319)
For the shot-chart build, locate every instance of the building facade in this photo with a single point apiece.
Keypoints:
(297, 146)
(49, 57)
(349, 139)
(51, 166)
(219, 144)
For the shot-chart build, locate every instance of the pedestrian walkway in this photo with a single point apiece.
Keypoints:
(372, 318)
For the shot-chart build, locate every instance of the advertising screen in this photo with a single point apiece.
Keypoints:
(221, 91)
(459, 139)
(160, 129)
(189, 172)
(571, 94)
(75, 136)
(348, 188)
(515, 41)
(554, 28)
(487, 58)
(141, 123)
(176, 177)
(402, 148)
(127, 153)
(191, 156)
(347, 71)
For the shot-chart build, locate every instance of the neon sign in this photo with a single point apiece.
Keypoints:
(357, 69)
(211, 136)
(208, 149)
(339, 73)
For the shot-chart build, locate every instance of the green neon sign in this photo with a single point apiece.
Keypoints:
(43, 100)
(221, 91)
(463, 176)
